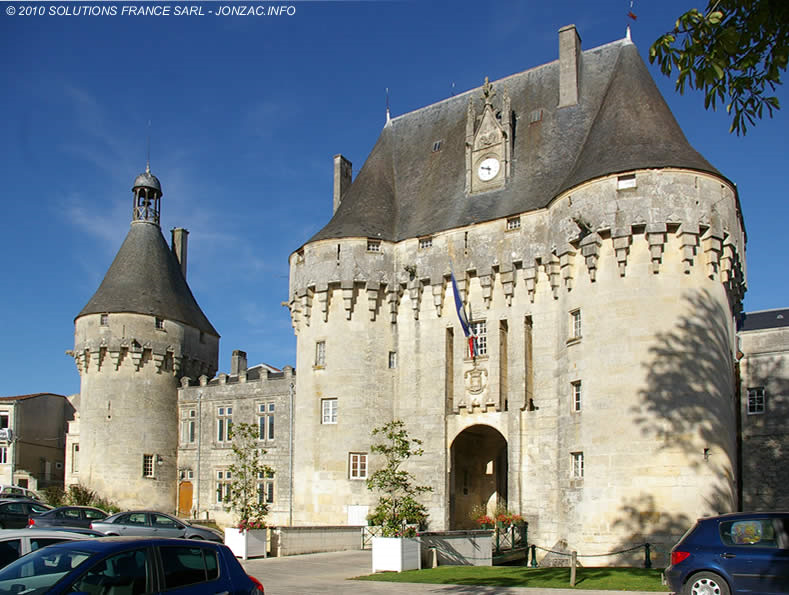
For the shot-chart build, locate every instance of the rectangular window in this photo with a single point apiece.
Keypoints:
(756, 400)
(266, 421)
(513, 223)
(75, 458)
(188, 426)
(425, 243)
(159, 323)
(3, 420)
(223, 478)
(328, 411)
(575, 324)
(479, 331)
(578, 465)
(392, 359)
(626, 181)
(576, 392)
(3, 455)
(320, 354)
(357, 465)
(373, 245)
(104, 320)
(266, 488)
(147, 465)
(224, 423)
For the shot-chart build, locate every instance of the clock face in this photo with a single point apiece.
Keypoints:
(488, 169)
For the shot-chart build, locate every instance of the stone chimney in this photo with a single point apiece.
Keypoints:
(342, 178)
(178, 246)
(569, 66)
(238, 363)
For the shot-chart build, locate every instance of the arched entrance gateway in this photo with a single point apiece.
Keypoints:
(478, 475)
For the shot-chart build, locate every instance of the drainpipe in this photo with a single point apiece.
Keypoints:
(199, 448)
(290, 457)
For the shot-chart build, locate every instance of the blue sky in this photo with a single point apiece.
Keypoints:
(246, 114)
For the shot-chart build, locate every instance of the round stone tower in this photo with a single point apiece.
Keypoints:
(138, 335)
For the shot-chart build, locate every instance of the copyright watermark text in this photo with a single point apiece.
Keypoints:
(147, 9)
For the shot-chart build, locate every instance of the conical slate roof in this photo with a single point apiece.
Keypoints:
(146, 278)
(621, 123)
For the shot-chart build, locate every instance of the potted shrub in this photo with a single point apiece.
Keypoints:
(398, 511)
(244, 497)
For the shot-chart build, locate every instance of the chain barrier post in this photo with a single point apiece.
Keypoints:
(533, 556)
(647, 559)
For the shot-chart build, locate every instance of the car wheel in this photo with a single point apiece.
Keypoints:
(706, 583)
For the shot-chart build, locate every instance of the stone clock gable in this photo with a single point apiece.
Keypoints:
(488, 143)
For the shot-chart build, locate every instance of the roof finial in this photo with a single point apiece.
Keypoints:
(388, 116)
(488, 92)
(633, 16)
(148, 156)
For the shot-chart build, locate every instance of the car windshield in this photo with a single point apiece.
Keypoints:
(40, 570)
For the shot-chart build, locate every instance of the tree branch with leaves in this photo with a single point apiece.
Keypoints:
(735, 52)
(398, 506)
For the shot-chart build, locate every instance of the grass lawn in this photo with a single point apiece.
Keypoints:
(614, 579)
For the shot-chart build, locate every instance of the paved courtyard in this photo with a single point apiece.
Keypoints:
(329, 573)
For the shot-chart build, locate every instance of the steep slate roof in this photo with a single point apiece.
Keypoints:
(621, 123)
(764, 319)
(146, 278)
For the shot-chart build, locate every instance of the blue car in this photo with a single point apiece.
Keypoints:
(129, 566)
(732, 553)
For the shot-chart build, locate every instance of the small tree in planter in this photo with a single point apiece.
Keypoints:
(397, 506)
(244, 497)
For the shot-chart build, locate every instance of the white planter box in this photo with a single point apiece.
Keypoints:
(396, 554)
(246, 544)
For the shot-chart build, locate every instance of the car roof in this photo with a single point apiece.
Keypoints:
(14, 533)
(70, 507)
(112, 544)
(744, 515)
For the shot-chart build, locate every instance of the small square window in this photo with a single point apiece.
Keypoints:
(104, 320)
(373, 245)
(625, 182)
(578, 465)
(513, 223)
(436, 146)
(329, 411)
(425, 243)
(300, 256)
(357, 465)
(320, 354)
(158, 323)
(756, 400)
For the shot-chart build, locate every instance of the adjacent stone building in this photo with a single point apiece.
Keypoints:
(32, 439)
(764, 409)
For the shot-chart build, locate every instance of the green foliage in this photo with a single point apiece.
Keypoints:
(507, 577)
(79, 495)
(247, 469)
(397, 506)
(734, 52)
(54, 496)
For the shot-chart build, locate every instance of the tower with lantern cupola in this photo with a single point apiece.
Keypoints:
(140, 333)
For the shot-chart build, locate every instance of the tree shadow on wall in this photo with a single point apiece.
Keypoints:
(688, 407)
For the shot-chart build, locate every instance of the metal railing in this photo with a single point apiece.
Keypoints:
(510, 537)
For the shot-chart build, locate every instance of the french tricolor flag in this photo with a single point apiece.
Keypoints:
(461, 311)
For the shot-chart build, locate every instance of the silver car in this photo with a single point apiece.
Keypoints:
(150, 523)
(15, 543)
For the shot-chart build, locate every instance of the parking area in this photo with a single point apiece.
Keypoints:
(329, 573)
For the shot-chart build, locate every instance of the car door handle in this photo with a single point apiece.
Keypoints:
(223, 593)
(728, 555)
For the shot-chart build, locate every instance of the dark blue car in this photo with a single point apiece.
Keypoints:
(732, 553)
(129, 566)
